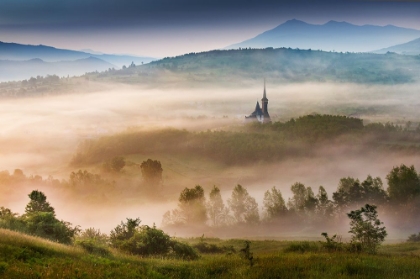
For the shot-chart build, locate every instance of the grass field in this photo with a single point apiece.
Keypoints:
(24, 256)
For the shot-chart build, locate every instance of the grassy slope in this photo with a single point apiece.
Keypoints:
(28, 257)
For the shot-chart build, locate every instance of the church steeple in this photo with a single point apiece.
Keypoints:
(265, 94)
(264, 105)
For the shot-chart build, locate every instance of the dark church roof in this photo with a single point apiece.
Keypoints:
(261, 113)
(257, 112)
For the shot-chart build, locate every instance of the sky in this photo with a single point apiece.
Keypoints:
(160, 28)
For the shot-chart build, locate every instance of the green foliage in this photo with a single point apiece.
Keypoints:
(414, 238)
(303, 199)
(44, 224)
(93, 241)
(274, 204)
(93, 247)
(366, 229)
(302, 247)
(333, 243)
(38, 203)
(218, 213)
(151, 171)
(252, 143)
(351, 192)
(243, 206)
(183, 251)
(192, 205)
(132, 238)
(247, 254)
(403, 184)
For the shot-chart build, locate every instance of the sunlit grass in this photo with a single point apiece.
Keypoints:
(23, 256)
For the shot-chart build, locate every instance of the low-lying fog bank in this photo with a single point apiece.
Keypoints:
(40, 136)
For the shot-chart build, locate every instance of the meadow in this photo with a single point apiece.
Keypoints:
(23, 256)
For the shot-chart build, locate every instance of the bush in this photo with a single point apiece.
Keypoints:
(132, 238)
(183, 251)
(93, 247)
(414, 238)
(302, 247)
(206, 248)
(365, 228)
(332, 243)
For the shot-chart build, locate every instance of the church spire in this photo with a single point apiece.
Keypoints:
(265, 94)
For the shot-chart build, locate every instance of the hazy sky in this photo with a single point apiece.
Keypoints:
(169, 27)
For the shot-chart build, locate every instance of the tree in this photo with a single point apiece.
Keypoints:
(351, 192)
(192, 205)
(366, 229)
(274, 204)
(303, 200)
(151, 171)
(38, 203)
(403, 184)
(325, 207)
(216, 208)
(116, 164)
(39, 219)
(243, 206)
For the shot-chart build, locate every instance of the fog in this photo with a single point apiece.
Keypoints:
(40, 135)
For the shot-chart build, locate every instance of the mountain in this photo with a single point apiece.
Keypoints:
(410, 48)
(20, 70)
(19, 52)
(331, 36)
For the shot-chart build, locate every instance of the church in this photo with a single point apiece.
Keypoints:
(260, 114)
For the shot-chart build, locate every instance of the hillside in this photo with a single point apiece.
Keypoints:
(331, 36)
(279, 65)
(23, 256)
(410, 48)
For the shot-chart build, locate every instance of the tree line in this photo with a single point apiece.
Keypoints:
(400, 198)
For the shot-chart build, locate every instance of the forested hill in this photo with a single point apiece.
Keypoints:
(280, 65)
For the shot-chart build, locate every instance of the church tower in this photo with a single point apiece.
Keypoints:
(264, 104)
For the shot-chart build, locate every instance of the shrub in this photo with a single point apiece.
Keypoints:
(414, 238)
(93, 247)
(132, 238)
(365, 228)
(183, 251)
(302, 247)
(332, 243)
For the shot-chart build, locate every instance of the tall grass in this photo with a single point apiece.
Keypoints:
(23, 256)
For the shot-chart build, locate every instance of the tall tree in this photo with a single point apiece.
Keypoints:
(274, 204)
(403, 184)
(216, 208)
(243, 206)
(192, 205)
(38, 203)
(151, 171)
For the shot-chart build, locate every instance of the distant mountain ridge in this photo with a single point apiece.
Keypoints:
(20, 52)
(331, 36)
(21, 70)
(410, 48)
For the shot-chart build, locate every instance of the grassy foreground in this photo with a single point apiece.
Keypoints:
(24, 256)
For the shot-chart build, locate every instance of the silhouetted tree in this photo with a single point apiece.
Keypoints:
(151, 171)
(192, 205)
(243, 206)
(218, 213)
(274, 204)
(403, 184)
